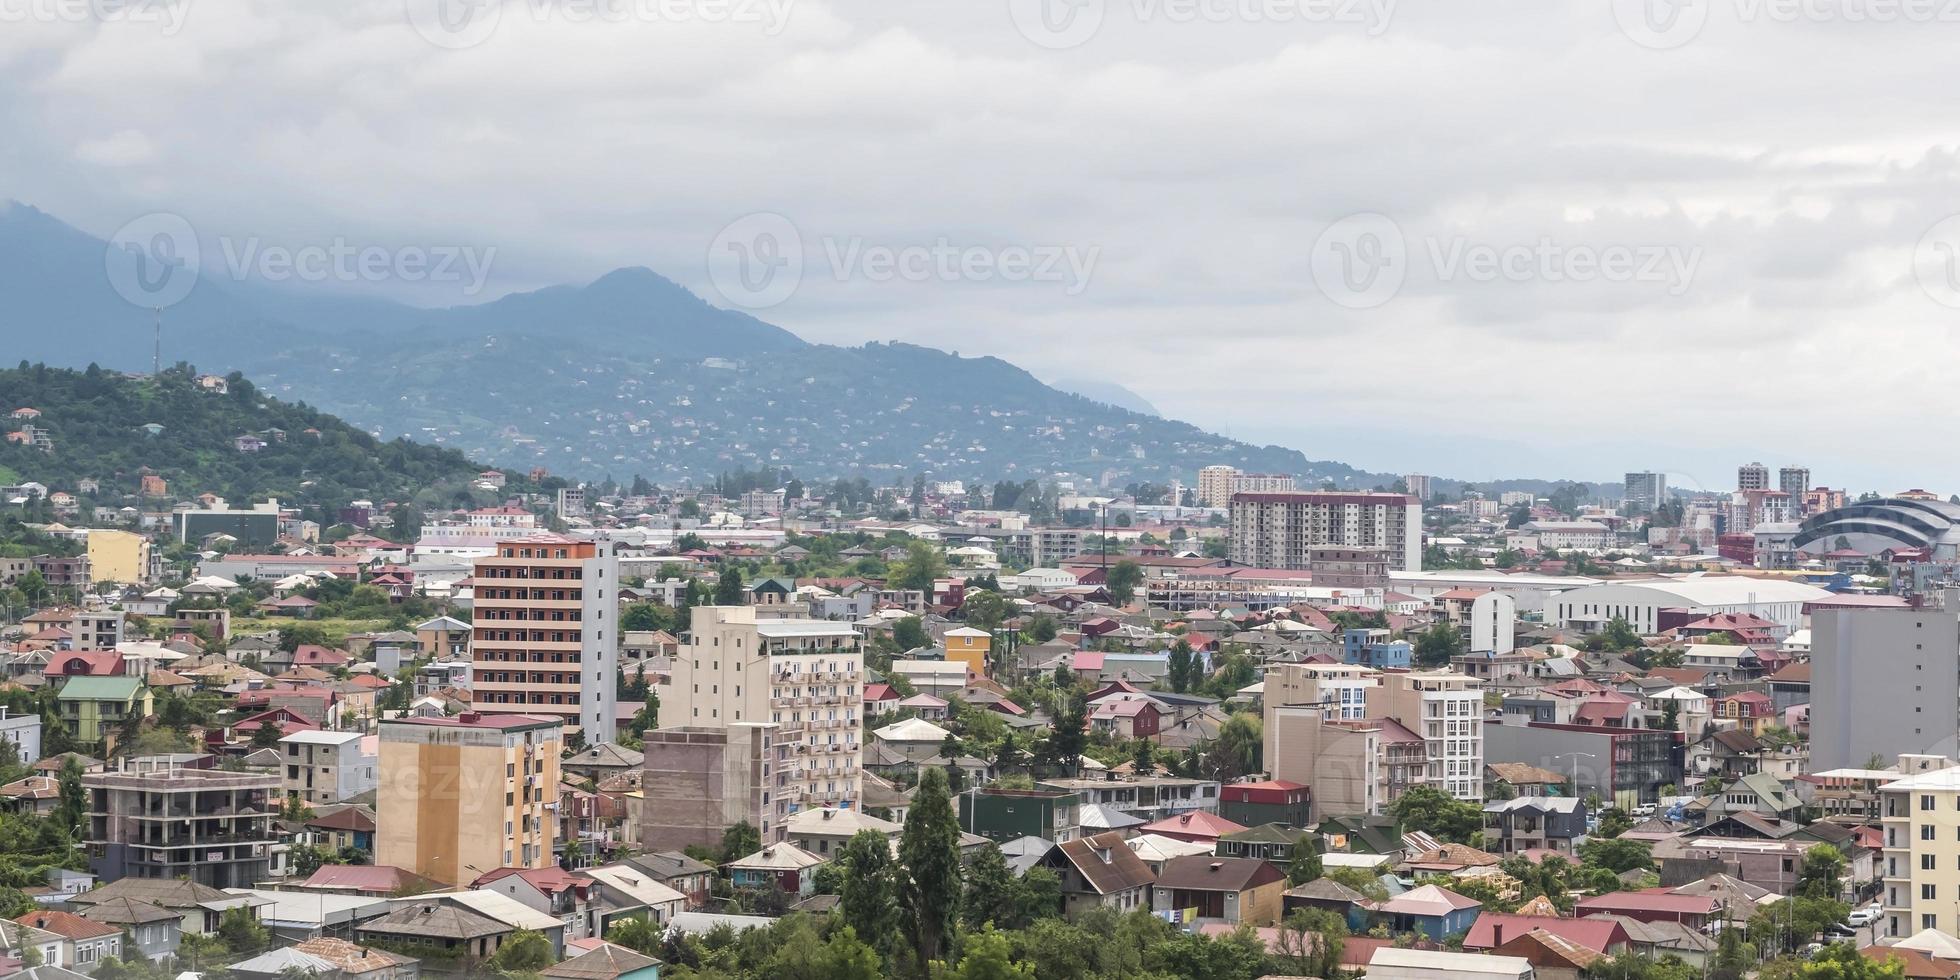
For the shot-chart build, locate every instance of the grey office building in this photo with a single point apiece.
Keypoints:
(1646, 491)
(1883, 682)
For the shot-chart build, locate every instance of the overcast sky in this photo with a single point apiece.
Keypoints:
(1558, 238)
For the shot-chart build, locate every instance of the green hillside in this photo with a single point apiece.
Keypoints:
(97, 422)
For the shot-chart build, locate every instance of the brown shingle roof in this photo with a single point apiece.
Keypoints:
(1106, 863)
(1202, 872)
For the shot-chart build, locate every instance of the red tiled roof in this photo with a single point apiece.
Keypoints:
(1594, 934)
(68, 925)
(1186, 825)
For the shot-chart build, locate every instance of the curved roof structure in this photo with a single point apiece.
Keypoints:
(1872, 526)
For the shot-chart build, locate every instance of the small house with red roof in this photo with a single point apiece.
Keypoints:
(1752, 711)
(1493, 929)
(1129, 717)
(567, 896)
(1197, 827)
(880, 698)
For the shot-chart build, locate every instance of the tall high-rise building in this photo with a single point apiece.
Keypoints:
(804, 676)
(463, 796)
(1646, 491)
(1884, 682)
(1280, 530)
(543, 638)
(1752, 476)
(1217, 484)
(1794, 480)
(1921, 862)
(1417, 485)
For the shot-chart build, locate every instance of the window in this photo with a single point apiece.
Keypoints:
(1928, 892)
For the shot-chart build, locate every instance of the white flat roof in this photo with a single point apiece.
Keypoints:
(784, 628)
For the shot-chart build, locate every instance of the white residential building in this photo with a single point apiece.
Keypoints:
(805, 676)
(328, 767)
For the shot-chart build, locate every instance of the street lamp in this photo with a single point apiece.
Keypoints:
(1575, 757)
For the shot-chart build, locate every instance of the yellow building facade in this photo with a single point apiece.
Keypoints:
(118, 556)
(465, 795)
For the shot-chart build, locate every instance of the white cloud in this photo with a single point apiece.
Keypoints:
(1800, 163)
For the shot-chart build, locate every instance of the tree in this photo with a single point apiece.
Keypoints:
(739, 841)
(1429, 810)
(929, 850)
(242, 933)
(1065, 742)
(1842, 961)
(1619, 636)
(1617, 856)
(867, 895)
(908, 634)
(922, 566)
(267, 735)
(729, 590)
(1437, 644)
(1124, 577)
(525, 951)
(989, 956)
(1822, 873)
(984, 610)
(1304, 865)
(1183, 667)
(1614, 821)
(1311, 941)
(638, 934)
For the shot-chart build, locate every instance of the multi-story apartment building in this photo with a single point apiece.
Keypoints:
(1361, 738)
(1447, 711)
(805, 676)
(326, 767)
(97, 629)
(1217, 484)
(708, 779)
(463, 796)
(1752, 476)
(152, 819)
(1280, 530)
(1921, 861)
(118, 556)
(1645, 491)
(1416, 485)
(1794, 480)
(544, 640)
(1344, 567)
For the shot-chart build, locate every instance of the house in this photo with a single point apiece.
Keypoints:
(1224, 889)
(1431, 910)
(607, 962)
(84, 944)
(1130, 718)
(626, 892)
(823, 831)
(679, 872)
(1693, 911)
(1531, 823)
(371, 880)
(782, 866)
(94, 707)
(449, 930)
(569, 897)
(914, 738)
(1100, 872)
(1605, 936)
(1552, 956)
(350, 961)
(879, 699)
(1395, 963)
(17, 939)
(1266, 801)
(153, 930)
(1522, 779)
(1329, 895)
(1272, 842)
(1196, 826)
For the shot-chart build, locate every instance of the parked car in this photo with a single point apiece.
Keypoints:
(1861, 918)
(1840, 934)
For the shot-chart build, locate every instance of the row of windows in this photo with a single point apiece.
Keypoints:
(534, 615)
